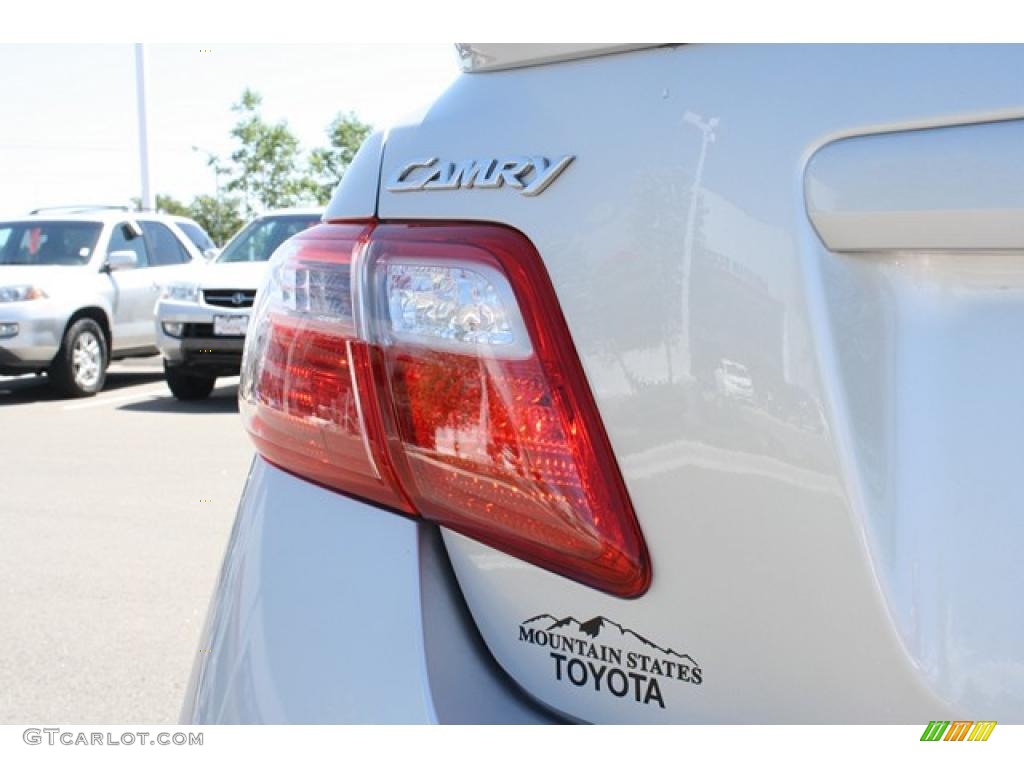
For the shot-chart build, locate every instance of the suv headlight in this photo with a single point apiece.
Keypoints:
(181, 292)
(21, 293)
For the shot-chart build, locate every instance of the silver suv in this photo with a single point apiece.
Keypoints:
(78, 287)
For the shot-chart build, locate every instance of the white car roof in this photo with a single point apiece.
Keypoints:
(292, 212)
(104, 215)
(99, 215)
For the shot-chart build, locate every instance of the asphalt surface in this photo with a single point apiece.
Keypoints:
(114, 516)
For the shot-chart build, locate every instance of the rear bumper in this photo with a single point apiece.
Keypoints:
(329, 610)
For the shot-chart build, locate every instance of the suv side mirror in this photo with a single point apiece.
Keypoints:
(121, 260)
(211, 253)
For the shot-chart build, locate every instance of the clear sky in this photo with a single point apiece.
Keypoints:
(68, 121)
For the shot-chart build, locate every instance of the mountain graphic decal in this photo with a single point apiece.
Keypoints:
(603, 627)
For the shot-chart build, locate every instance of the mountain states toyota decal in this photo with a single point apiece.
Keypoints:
(628, 666)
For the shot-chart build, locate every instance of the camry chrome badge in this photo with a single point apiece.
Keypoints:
(530, 175)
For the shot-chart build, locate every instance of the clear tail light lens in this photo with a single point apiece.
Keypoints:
(427, 367)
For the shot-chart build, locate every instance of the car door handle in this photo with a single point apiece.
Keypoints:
(951, 188)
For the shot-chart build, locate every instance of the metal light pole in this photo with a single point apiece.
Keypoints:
(147, 203)
(707, 129)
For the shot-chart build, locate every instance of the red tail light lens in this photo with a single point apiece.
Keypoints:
(306, 379)
(444, 385)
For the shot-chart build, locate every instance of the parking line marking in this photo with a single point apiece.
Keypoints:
(96, 403)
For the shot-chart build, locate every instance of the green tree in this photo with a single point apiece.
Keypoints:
(266, 160)
(220, 216)
(327, 165)
(167, 204)
(164, 204)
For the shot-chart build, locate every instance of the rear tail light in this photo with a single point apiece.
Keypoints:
(427, 367)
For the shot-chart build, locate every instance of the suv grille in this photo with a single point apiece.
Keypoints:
(229, 298)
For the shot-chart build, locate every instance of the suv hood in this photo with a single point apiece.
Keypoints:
(43, 277)
(243, 275)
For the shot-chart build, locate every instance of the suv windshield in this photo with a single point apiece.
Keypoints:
(259, 240)
(48, 243)
(197, 235)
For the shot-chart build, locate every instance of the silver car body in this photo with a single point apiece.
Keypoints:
(844, 222)
(125, 297)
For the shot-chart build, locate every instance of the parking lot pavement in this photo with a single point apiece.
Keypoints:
(114, 515)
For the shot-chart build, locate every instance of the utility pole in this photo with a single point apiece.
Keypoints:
(707, 131)
(147, 203)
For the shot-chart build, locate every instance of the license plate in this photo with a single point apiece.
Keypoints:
(230, 325)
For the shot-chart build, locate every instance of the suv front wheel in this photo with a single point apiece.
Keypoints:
(80, 367)
(188, 386)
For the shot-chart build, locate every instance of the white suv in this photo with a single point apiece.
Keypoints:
(78, 287)
(201, 322)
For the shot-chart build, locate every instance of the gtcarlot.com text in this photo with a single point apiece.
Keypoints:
(54, 736)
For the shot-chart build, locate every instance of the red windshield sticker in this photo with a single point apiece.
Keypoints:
(35, 236)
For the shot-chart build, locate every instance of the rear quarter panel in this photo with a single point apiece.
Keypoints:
(676, 240)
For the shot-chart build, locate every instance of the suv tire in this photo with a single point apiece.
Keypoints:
(188, 386)
(80, 367)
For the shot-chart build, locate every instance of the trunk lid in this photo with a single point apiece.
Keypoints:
(490, 57)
